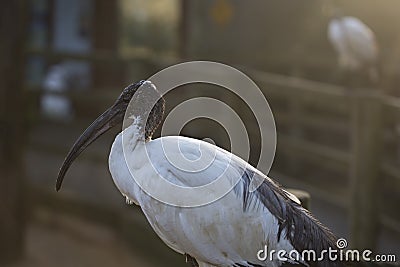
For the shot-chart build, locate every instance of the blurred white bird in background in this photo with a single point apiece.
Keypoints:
(59, 80)
(54, 105)
(355, 45)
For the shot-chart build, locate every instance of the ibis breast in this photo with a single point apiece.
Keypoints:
(219, 233)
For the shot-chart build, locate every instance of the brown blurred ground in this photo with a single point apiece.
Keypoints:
(64, 240)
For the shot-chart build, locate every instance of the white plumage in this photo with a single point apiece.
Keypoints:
(355, 44)
(220, 233)
(53, 104)
(234, 226)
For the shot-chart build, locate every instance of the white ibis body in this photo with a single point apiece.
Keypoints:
(355, 45)
(229, 231)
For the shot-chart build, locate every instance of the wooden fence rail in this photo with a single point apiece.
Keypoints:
(360, 117)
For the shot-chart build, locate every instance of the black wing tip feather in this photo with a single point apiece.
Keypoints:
(301, 228)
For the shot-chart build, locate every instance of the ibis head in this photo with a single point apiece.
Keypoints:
(115, 116)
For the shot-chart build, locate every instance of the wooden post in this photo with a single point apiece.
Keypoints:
(12, 130)
(303, 196)
(106, 39)
(296, 133)
(366, 145)
(184, 28)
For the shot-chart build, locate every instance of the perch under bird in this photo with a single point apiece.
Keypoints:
(226, 232)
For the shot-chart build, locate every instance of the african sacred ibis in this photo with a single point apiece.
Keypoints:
(60, 79)
(53, 103)
(229, 231)
(355, 45)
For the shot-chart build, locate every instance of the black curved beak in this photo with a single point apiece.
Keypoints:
(110, 118)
